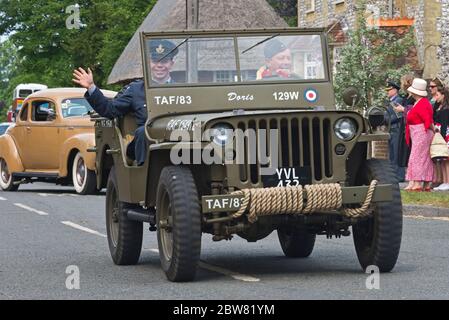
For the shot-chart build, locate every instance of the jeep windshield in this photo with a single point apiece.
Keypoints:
(229, 59)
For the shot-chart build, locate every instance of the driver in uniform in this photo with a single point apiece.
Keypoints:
(278, 61)
(132, 98)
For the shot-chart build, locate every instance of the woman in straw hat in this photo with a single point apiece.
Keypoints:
(420, 131)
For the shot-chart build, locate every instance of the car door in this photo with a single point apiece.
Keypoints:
(41, 152)
(19, 131)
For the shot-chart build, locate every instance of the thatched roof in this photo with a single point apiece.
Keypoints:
(213, 14)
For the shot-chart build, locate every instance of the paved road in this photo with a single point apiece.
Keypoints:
(36, 248)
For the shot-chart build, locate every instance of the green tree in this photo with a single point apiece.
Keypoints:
(287, 9)
(370, 58)
(8, 67)
(48, 51)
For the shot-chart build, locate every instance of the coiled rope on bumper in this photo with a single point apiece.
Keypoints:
(290, 200)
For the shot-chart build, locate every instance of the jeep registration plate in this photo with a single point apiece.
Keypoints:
(288, 177)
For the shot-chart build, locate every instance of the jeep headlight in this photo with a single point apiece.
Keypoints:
(345, 129)
(222, 134)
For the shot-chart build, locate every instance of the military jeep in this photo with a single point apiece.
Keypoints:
(237, 148)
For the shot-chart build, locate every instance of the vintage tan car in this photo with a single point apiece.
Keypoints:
(50, 142)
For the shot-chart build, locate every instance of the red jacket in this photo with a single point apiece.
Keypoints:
(422, 112)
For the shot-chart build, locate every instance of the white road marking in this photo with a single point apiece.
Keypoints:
(58, 195)
(3, 199)
(232, 274)
(77, 226)
(41, 213)
(427, 218)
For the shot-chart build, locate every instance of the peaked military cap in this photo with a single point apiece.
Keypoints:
(162, 49)
(273, 47)
(392, 85)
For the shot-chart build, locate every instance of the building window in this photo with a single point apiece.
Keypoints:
(249, 75)
(223, 76)
(310, 66)
(231, 76)
(311, 72)
(336, 58)
(310, 6)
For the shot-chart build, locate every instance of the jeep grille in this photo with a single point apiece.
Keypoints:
(303, 142)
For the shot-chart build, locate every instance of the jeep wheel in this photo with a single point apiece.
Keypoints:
(378, 239)
(179, 224)
(6, 178)
(84, 180)
(124, 235)
(296, 242)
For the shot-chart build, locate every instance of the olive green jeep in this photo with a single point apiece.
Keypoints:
(244, 139)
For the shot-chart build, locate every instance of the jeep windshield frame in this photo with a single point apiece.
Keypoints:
(184, 96)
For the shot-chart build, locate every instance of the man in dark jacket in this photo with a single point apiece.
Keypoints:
(132, 97)
(395, 119)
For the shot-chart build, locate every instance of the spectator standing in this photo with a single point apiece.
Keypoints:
(394, 100)
(408, 102)
(420, 131)
(434, 85)
(441, 126)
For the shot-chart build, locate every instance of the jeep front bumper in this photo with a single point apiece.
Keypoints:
(350, 196)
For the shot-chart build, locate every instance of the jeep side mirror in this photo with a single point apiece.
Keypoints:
(351, 96)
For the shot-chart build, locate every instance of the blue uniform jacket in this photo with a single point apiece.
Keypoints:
(130, 99)
(395, 118)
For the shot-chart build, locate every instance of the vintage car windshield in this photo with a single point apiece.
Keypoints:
(75, 107)
(213, 60)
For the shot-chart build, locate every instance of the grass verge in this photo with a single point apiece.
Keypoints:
(436, 199)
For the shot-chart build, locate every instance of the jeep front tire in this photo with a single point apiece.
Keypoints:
(378, 239)
(179, 223)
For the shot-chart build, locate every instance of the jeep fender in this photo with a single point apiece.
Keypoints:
(158, 158)
(9, 152)
(80, 142)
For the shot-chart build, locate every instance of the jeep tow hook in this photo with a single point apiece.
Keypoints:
(112, 151)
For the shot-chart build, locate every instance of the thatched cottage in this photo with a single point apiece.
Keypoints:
(213, 14)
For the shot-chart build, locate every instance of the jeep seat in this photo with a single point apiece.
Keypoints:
(128, 126)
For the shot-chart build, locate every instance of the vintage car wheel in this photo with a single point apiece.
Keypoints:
(6, 178)
(296, 242)
(179, 223)
(84, 180)
(378, 239)
(124, 236)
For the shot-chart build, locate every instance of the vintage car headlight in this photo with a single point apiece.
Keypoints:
(222, 133)
(345, 129)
